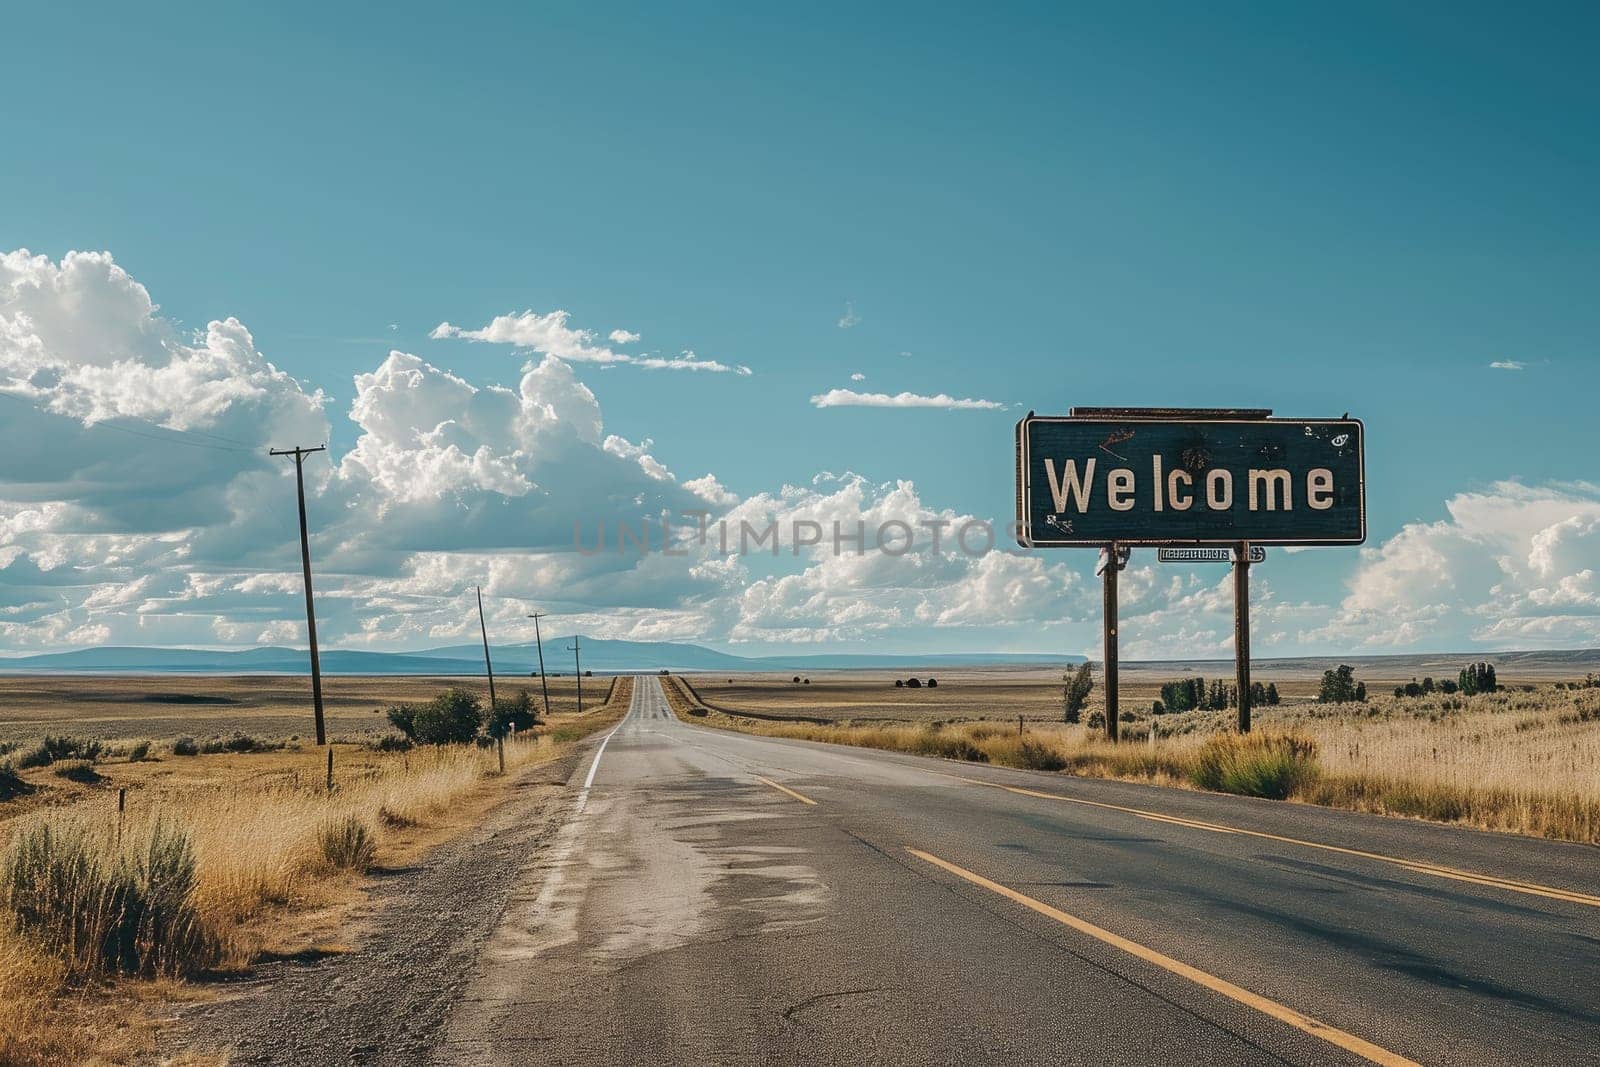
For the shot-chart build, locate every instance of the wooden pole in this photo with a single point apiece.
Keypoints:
(538, 642)
(300, 455)
(577, 661)
(1111, 641)
(500, 747)
(330, 768)
(1241, 630)
(487, 666)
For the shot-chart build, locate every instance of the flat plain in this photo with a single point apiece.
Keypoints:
(274, 707)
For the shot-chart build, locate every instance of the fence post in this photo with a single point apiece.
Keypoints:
(330, 768)
(500, 746)
(122, 807)
(1019, 725)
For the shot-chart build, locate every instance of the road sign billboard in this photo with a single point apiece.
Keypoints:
(1138, 479)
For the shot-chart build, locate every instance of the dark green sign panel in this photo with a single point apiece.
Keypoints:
(1178, 481)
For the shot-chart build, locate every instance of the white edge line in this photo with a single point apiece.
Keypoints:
(588, 782)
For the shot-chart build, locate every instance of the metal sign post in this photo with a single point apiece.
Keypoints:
(1241, 631)
(1110, 577)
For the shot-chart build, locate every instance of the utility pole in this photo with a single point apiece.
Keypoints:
(487, 666)
(539, 644)
(300, 455)
(1241, 630)
(578, 665)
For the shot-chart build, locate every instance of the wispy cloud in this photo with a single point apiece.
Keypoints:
(1508, 364)
(689, 361)
(858, 377)
(849, 318)
(849, 398)
(549, 334)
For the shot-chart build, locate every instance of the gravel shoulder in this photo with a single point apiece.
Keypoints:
(384, 1001)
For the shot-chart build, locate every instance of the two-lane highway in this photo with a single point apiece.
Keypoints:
(723, 898)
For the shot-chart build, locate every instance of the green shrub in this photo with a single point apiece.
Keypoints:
(139, 752)
(402, 717)
(1029, 754)
(104, 910)
(54, 748)
(185, 746)
(452, 717)
(12, 784)
(37, 756)
(563, 734)
(236, 742)
(517, 712)
(346, 843)
(76, 770)
(935, 742)
(1255, 765)
(392, 743)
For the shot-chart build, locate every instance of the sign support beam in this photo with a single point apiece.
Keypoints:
(1241, 630)
(1111, 641)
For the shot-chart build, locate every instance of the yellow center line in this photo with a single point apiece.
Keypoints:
(1571, 896)
(1334, 1036)
(785, 789)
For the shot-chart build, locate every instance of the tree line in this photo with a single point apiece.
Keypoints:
(1196, 694)
(1474, 678)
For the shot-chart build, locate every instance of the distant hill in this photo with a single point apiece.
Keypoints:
(599, 655)
(608, 657)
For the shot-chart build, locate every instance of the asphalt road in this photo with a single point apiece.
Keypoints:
(721, 898)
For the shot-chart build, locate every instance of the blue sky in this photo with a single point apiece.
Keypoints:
(1356, 208)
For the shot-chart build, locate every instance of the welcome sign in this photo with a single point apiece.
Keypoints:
(1173, 479)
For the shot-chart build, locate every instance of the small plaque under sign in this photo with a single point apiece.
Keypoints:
(1258, 554)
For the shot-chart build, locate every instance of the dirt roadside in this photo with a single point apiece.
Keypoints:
(383, 1001)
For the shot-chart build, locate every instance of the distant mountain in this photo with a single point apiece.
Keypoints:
(270, 660)
(598, 655)
(608, 657)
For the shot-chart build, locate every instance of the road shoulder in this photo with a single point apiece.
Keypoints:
(383, 1001)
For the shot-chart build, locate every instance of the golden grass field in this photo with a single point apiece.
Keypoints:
(978, 695)
(160, 707)
(1525, 759)
(277, 857)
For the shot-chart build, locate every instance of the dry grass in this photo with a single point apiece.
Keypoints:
(164, 707)
(1524, 760)
(269, 842)
(34, 1027)
(969, 695)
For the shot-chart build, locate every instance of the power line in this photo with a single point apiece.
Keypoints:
(181, 439)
